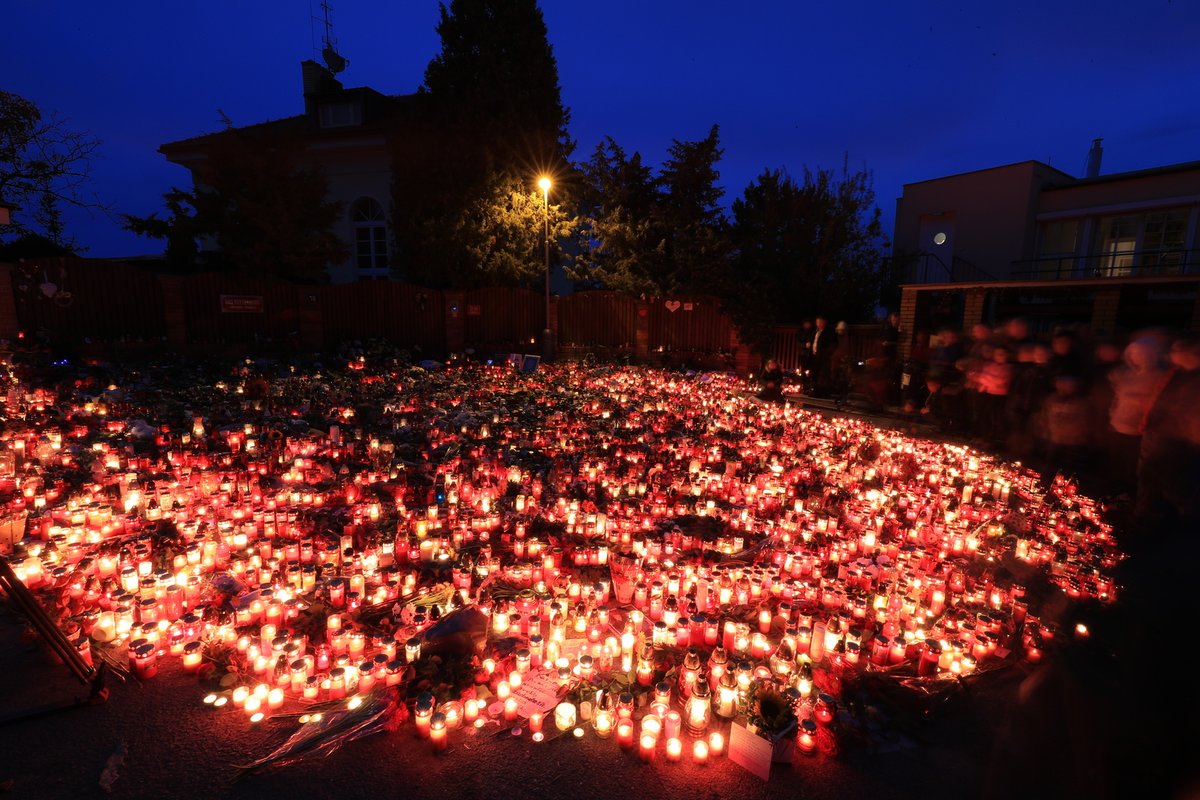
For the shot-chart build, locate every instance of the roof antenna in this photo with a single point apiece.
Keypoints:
(334, 61)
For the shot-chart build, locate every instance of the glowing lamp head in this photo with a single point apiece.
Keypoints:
(544, 184)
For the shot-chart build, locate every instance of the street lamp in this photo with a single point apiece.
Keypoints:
(547, 336)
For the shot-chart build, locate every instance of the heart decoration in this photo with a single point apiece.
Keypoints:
(672, 305)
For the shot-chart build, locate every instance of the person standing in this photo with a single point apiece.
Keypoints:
(824, 343)
(805, 339)
(1169, 456)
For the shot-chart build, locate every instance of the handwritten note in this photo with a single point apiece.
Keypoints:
(750, 751)
(537, 692)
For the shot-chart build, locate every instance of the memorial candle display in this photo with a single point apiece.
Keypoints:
(606, 526)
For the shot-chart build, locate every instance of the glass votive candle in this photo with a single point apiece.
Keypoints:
(564, 716)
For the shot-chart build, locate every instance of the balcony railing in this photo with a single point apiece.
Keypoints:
(1121, 264)
(930, 268)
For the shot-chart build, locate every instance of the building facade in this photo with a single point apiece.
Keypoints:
(1110, 253)
(350, 136)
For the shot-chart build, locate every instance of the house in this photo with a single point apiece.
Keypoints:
(350, 136)
(1112, 253)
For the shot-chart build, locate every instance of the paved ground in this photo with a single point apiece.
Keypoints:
(1111, 718)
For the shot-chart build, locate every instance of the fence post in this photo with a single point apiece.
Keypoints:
(908, 319)
(310, 322)
(174, 317)
(9, 326)
(641, 332)
(973, 305)
(745, 358)
(1105, 307)
(455, 316)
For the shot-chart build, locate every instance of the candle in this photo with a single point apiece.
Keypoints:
(423, 714)
(625, 734)
(510, 709)
(716, 744)
(671, 724)
(602, 721)
(535, 722)
(646, 750)
(437, 732)
(564, 716)
(806, 737)
(193, 656)
(700, 752)
(674, 749)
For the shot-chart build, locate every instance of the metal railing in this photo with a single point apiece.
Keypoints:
(930, 268)
(1121, 264)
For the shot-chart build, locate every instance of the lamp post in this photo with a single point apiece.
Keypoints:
(547, 334)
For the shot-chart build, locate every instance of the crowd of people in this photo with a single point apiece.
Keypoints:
(1127, 412)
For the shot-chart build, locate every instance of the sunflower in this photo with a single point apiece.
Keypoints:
(768, 710)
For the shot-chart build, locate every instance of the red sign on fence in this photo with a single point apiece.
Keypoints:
(241, 304)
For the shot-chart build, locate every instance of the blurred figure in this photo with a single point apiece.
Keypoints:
(1169, 456)
(1066, 425)
(1067, 357)
(772, 382)
(1135, 385)
(978, 354)
(805, 339)
(945, 358)
(824, 343)
(995, 380)
(943, 403)
(1120, 468)
(1032, 383)
(839, 366)
(889, 351)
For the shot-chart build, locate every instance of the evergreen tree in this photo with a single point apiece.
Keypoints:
(496, 81)
(494, 121)
(267, 213)
(814, 248)
(655, 235)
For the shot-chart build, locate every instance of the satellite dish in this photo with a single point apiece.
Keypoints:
(333, 60)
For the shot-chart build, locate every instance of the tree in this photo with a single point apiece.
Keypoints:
(619, 246)
(694, 226)
(661, 234)
(495, 82)
(43, 165)
(266, 212)
(493, 120)
(815, 248)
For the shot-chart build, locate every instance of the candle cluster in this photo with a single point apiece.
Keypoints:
(611, 522)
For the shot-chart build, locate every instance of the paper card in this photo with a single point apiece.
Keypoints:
(538, 692)
(750, 751)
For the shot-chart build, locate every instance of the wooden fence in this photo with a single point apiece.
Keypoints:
(71, 301)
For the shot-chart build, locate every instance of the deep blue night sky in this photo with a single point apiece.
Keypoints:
(912, 90)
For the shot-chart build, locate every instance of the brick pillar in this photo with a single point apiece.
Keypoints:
(172, 310)
(908, 319)
(641, 332)
(744, 356)
(455, 315)
(973, 305)
(551, 352)
(9, 326)
(311, 323)
(1104, 311)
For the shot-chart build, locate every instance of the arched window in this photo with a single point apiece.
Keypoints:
(370, 237)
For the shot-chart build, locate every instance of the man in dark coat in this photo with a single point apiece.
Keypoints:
(824, 343)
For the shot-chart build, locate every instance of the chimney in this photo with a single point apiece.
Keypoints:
(1093, 159)
(318, 81)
